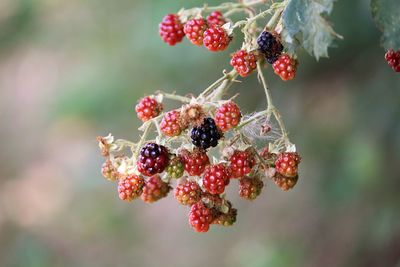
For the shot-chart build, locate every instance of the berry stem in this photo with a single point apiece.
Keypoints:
(227, 76)
(276, 17)
(221, 90)
(229, 7)
(270, 106)
(261, 78)
(254, 150)
(253, 118)
(176, 97)
(232, 5)
(122, 143)
(247, 23)
(146, 130)
(278, 118)
(232, 11)
(142, 140)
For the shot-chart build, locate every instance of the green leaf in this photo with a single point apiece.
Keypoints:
(386, 14)
(304, 24)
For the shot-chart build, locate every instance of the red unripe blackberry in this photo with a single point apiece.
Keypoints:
(200, 217)
(153, 159)
(195, 162)
(393, 59)
(250, 188)
(244, 62)
(242, 162)
(131, 187)
(216, 38)
(287, 164)
(188, 193)
(227, 116)
(171, 29)
(109, 171)
(216, 178)
(154, 189)
(194, 30)
(175, 168)
(170, 124)
(284, 182)
(285, 67)
(148, 108)
(216, 18)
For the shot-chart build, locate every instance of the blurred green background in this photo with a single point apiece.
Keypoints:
(72, 70)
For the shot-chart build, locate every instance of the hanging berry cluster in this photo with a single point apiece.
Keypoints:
(197, 148)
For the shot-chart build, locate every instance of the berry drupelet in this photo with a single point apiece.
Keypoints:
(206, 135)
(153, 159)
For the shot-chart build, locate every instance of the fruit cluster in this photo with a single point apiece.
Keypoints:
(205, 142)
(393, 59)
(215, 33)
(201, 181)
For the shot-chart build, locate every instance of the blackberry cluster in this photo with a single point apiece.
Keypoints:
(270, 46)
(206, 135)
(172, 160)
(153, 159)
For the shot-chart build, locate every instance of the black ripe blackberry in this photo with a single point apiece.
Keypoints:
(153, 159)
(270, 46)
(206, 135)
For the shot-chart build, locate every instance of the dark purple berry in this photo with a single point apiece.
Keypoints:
(270, 46)
(153, 159)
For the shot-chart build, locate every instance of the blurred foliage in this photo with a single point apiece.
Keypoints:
(386, 14)
(305, 25)
(71, 70)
